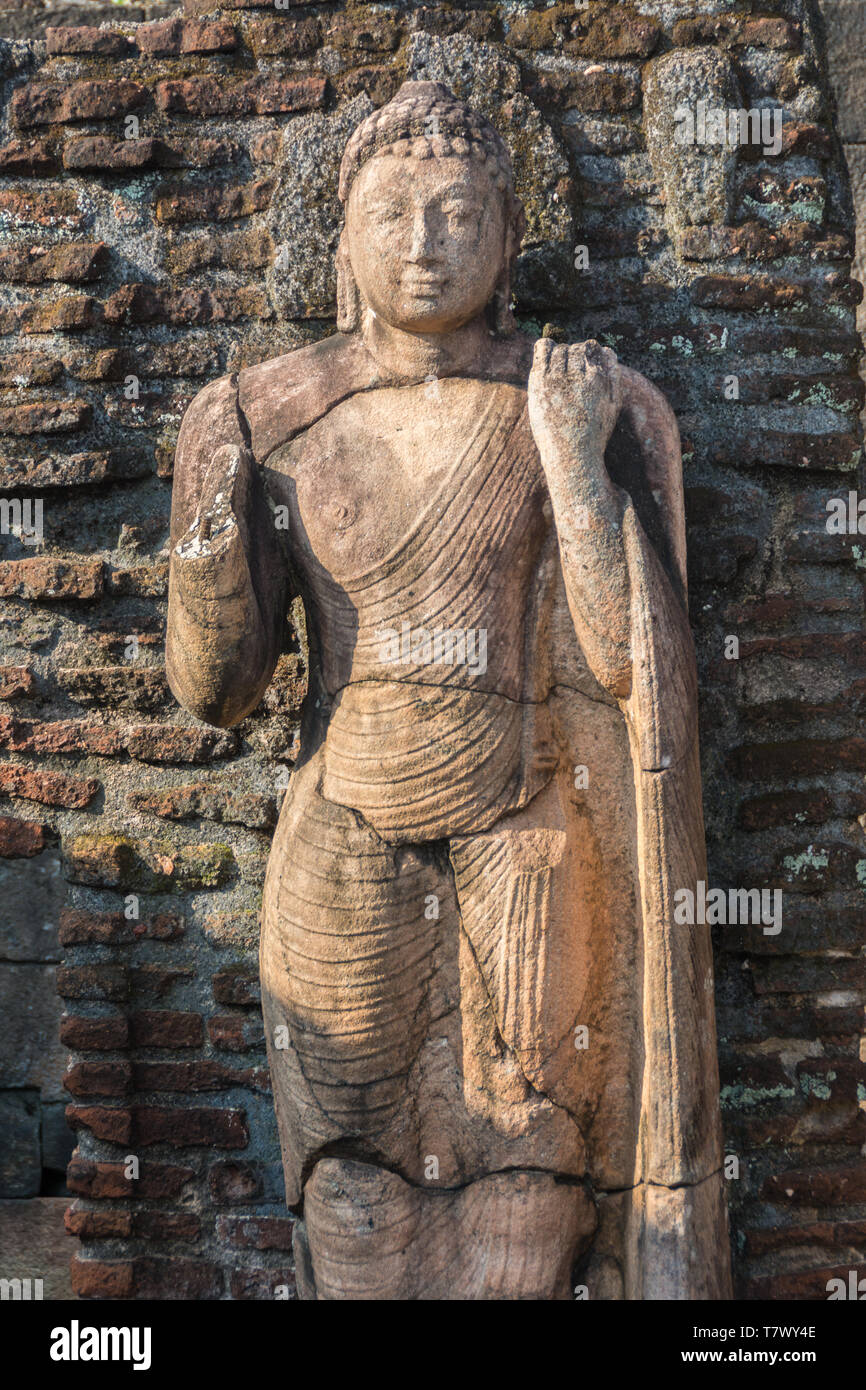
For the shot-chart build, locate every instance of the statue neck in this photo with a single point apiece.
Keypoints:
(419, 355)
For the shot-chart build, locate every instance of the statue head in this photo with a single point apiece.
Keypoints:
(433, 224)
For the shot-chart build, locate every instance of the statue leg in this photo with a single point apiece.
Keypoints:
(508, 1236)
(421, 1159)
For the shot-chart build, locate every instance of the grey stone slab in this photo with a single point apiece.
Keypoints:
(30, 1010)
(20, 1153)
(58, 1140)
(32, 892)
(35, 1245)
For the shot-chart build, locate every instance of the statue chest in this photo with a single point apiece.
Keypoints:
(398, 485)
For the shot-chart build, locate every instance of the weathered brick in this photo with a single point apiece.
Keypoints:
(107, 1034)
(213, 202)
(109, 1180)
(101, 1278)
(42, 578)
(172, 37)
(46, 417)
(257, 96)
(236, 1032)
(236, 985)
(105, 1224)
(166, 1028)
(200, 1075)
(88, 41)
(92, 982)
(44, 103)
(256, 1232)
(79, 927)
(263, 1283)
(23, 158)
(166, 1225)
(818, 1187)
(189, 1127)
(48, 788)
(21, 839)
(98, 1079)
(210, 801)
(117, 861)
(71, 263)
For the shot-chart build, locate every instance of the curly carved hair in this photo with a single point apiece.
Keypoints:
(427, 121)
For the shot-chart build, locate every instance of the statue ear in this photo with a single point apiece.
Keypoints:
(502, 317)
(348, 295)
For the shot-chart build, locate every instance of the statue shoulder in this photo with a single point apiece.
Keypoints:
(280, 398)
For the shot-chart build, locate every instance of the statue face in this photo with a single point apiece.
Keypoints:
(426, 240)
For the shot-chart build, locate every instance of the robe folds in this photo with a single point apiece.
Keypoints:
(479, 1010)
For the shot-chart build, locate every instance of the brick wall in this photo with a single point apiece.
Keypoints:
(142, 257)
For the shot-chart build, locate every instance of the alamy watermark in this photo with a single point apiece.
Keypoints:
(704, 124)
(438, 646)
(737, 907)
(22, 519)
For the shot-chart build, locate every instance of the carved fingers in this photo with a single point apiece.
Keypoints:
(575, 395)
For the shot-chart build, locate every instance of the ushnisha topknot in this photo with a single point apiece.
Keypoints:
(424, 119)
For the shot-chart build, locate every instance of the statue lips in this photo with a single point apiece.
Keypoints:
(424, 284)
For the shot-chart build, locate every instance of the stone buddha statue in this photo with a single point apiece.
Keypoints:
(492, 1051)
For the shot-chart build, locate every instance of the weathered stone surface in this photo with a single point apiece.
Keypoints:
(37, 1245)
(30, 1012)
(20, 1152)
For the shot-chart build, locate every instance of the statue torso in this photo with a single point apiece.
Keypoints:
(418, 515)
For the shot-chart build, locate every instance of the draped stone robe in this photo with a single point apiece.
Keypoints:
(493, 1053)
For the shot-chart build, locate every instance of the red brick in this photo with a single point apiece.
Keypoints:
(201, 1075)
(104, 1224)
(257, 96)
(21, 839)
(108, 1180)
(48, 788)
(113, 1124)
(166, 1225)
(94, 1034)
(42, 578)
(176, 1279)
(109, 982)
(236, 985)
(163, 743)
(32, 158)
(183, 1127)
(102, 43)
(235, 1032)
(213, 202)
(166, 1028)
(256, 1232)
(45, 417)
(98, 1079)
(57, 208)
(79, 927)
(44, 103)
(798, 758)
(101, 1278)
(172, 37)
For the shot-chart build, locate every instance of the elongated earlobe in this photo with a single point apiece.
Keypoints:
(348, 295)
(500, 312)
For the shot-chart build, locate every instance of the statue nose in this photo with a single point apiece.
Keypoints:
(422, 247)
